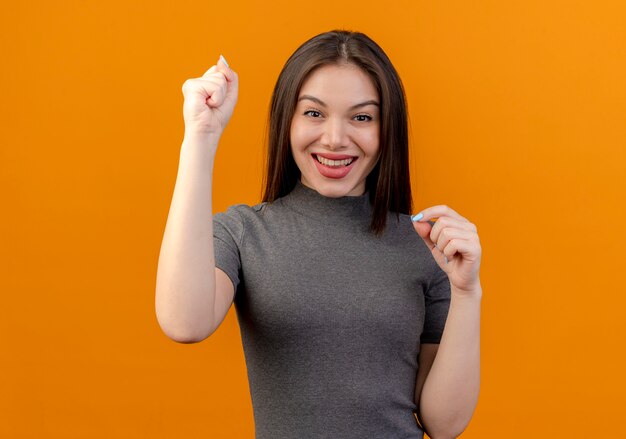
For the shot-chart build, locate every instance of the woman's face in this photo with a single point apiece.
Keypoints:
(335, 130)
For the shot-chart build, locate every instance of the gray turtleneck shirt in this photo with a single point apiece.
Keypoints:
(331, 316)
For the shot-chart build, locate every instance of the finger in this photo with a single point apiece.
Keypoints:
(437, 211)
(217, 97)
(213, 76)
(215, 79)
(223, 67)
(448, 235)
(205, 86)
(449, 225)
(208, 72)
(465, 247)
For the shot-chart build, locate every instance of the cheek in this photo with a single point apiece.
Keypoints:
(295, 134)
(302, 136)
(370, 142)
(298, 143)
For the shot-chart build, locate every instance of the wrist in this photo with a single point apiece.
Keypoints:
(201, 137)
(474, 293)
(205, 142)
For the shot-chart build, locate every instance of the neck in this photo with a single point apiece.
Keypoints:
(311, 203)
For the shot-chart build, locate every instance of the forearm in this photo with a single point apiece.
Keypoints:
(185, 286)
(450, 392)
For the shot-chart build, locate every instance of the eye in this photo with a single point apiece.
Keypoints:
(312, 113)
(363, 117)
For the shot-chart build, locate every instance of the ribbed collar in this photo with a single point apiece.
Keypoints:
(313, 204)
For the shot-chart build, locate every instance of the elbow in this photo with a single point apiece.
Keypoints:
(185, 337)
(185, 334)
(445, 435)
(451, 431)
(445, 420)
(451, 426)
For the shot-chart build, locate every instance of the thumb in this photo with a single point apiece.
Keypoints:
(222, 66)
(232, 86)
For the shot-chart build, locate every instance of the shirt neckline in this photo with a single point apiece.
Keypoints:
(311, 203)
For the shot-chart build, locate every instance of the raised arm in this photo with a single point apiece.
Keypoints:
(192, 296)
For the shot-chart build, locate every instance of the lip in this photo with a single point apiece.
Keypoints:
(333, 172)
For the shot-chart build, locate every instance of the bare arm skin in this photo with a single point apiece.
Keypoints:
(192, 296)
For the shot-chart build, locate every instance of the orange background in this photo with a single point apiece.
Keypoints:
(518, 113)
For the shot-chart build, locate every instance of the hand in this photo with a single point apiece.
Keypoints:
(453, 242)
(210, 100)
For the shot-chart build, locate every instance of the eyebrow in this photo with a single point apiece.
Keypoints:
(320, 102)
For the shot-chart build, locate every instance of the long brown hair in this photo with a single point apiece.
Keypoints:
(388, 184)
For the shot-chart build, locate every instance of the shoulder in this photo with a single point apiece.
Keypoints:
(230, 226)
(249, 224)
(242, 211)
(239, 216)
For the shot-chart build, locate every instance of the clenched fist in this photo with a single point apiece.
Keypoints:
(210, 100)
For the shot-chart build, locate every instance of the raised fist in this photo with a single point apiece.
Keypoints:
(210, 100)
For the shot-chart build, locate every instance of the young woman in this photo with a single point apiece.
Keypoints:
(357, 320)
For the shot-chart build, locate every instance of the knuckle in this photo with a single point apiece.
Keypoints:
(218, 76)
(187, 85)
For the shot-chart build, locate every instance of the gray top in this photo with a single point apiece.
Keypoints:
(331, 316)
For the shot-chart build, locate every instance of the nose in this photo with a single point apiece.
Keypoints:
(335, 135)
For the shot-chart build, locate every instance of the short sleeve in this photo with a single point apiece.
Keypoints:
(437, 298)
(228, 230)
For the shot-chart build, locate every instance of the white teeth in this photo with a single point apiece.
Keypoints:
(327, 162)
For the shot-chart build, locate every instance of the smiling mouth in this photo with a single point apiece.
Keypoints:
(334, 163)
